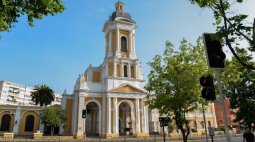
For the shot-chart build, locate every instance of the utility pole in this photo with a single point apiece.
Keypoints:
(222, 98)
(203, 111)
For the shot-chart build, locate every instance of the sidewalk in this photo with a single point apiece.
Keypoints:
(154, 138)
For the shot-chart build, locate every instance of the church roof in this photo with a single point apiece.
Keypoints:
(127, 88)
(121, 14)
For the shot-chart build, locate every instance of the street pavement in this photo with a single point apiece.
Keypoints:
(132, 139)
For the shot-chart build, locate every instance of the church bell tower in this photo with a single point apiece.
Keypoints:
(120, 57)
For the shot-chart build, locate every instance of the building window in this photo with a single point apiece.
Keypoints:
(29, 125)
(202, 124)
(209, 123)
(6, 122)
(123, 44)
(195, 125)
(125, 71)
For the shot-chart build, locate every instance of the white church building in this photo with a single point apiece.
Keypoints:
(112, 93)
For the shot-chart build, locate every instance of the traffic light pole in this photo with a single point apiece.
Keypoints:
(222, 98)
(203, 111)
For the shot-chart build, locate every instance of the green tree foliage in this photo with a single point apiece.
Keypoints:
(42, 95)
(53, 117)
(231, 26)
(173, 82)
(12, 10)
(240, 88)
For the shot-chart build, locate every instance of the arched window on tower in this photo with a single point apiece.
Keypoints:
(125, 71)
(29, 125)
(123, 44)
(5, 123)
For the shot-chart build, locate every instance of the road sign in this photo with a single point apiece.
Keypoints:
(164, 121)
(211, 131)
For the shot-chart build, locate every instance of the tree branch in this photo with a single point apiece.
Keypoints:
(222, 11)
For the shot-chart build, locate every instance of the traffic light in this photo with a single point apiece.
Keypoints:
(215, 55)
(84, 113)
(208, 92)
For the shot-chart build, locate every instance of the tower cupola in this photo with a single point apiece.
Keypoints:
(119, 6)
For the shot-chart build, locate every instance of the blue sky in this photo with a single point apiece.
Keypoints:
(60, 47)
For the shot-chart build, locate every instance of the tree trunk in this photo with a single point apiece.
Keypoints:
(184, 134)
(184, 138)
(51, 130)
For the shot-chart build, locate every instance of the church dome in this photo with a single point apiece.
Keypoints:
(120, 13)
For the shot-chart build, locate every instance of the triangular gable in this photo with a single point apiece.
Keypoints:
(127, 89)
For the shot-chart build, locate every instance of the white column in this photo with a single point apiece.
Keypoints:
(41, 127)
(129, 71)
(109, 115)
(137, 116)
(80, 120)
(114, 69)
(103, 115)
(63, 106)
(16, 121)
(106, 69)
(117, 43)
(110, 44)
(131, 50)
(122, 69)
(146, 115)
(136, 70)
(143, 116)
(116, 120)
(134, 43)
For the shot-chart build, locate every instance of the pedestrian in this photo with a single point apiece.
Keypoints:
(248, 136)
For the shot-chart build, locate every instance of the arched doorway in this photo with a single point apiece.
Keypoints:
(125, 118)
(6, 123)
(29, 125)
(92, 120)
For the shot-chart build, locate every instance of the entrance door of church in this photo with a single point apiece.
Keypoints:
(92, 120)
(125, 121)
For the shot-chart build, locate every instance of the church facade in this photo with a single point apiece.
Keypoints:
(112, 93)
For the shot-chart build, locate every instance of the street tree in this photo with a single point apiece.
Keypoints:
(52, 117)
(239, 86)
(12, 10)
(42, 95)
(173, 82)
(231, 26)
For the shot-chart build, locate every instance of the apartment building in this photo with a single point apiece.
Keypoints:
(13, 94)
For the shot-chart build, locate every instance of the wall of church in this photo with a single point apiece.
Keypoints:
(118, 70)
(68, 124)
(113, 42)
(110, 69)
(132, 70)
(96, 76)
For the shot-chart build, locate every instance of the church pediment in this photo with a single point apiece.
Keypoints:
(127, 89)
